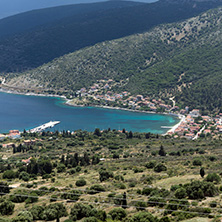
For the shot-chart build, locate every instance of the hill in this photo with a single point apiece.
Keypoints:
(181, 59)
(48, 17)
(42, 44)
(12, 7)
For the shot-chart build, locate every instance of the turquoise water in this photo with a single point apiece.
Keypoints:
(26, 112)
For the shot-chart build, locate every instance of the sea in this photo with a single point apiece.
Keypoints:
(26, 112)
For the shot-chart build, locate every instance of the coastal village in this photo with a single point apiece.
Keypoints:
(103, 93)
(192, 124)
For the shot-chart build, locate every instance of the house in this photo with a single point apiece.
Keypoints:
(206, 118)
(106, 86)
(27, 161)
(14, 134)
(139, 97)
(195, 113)
(2, 136)
(8, 145)
(189, 136)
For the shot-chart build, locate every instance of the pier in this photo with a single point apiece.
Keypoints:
(44, 127)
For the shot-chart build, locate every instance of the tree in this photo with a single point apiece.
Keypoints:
(54, 211)
(6, 207)
(95, 160)
(202, 172)
(97, 132)
(162, 151)
(4, 188)
(130, 135)
(80, 211)
(143, 216)
(117, 213)
(36, 212)
(23, 216)
(180, 193)
(124, 202)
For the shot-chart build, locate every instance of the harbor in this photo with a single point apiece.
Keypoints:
(44, 127)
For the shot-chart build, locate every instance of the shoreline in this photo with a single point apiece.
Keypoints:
(182, 119)
(67, 103)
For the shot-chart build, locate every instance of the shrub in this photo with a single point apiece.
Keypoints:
(36, 212)
(90, 219)
(156, 201)
(53, 198)
(54, 211)
(150, 164)
(197, 162)
(141, 205)
(4, 188)
(24, 176)
(137, 170)
(180, 193)
(213, 204)
(80, 211)
(61, 168)
(120, 185)
(200, 189)
(105, 175)
(117, 213)
(143, 216)
(71, 195)
(19, 196)
(132, 184)
(213, 177)
(9, 174)
(119, 177)
(80, 183)
(32, 198)
(78, 169)
(147, 190)
(97, 188)
(160, 167)
(23, 216)
(6, 207)
(101, 215)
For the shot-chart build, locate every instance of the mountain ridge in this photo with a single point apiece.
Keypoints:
(153, 61)
(34, 48)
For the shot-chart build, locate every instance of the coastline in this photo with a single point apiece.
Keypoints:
(68, 103)
(31, 94)
(173, 128)
(182, 119)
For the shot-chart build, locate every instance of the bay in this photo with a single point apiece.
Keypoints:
(26, 112)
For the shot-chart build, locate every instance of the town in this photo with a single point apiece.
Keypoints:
(192, 123)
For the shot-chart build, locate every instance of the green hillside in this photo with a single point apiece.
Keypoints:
(48, 17)
(45, 42)
(178, 59)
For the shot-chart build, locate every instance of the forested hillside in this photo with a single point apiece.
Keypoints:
(178, 59)
(49, 17)
(40, 45)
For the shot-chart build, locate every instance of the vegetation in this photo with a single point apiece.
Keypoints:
(34, 43)
(137, 186)
(180, 59)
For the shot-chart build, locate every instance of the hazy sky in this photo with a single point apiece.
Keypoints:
(11, 7)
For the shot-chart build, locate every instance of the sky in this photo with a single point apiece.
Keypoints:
(12, 7)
